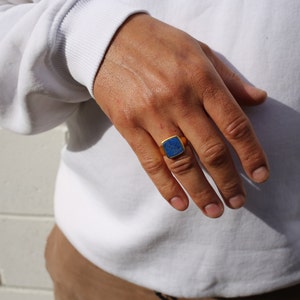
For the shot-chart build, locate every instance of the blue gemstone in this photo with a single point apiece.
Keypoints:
(173, 147)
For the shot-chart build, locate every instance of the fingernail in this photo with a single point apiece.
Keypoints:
(179, 203)
(261, 94)
(237, 201)
(213, 210)
(261, 174)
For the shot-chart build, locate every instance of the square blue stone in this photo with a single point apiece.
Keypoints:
(173, 147)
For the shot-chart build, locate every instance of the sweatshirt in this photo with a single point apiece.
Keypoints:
(108, 208)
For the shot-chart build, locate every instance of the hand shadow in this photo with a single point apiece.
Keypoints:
(277, 127)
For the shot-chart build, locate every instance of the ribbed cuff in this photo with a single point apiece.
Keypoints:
(85, 34)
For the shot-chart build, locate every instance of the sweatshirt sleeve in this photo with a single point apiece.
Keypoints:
(50, 51)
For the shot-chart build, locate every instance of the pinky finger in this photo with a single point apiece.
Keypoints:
(154, 164)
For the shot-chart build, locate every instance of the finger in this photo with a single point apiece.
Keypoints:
(188, 172)
(214, 155)
(186, 169)
(242, 91)
(154, 164)
(236, 128)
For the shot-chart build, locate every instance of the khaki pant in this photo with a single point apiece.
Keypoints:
(75, 278)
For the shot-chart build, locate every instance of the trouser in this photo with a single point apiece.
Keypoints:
(75, 278)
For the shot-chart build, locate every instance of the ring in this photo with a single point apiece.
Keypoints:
(173, 146)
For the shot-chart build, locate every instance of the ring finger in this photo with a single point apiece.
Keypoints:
(188, 172)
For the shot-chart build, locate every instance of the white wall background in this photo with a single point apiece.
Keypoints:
(28, 166)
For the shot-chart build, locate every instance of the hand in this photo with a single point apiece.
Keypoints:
(155, 82)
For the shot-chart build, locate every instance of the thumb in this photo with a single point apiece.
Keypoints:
(243, 92)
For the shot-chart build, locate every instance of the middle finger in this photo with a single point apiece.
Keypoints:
(214, 155)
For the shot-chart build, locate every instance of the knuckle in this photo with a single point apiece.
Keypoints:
(215, 155)
(231, 188)
(152, 166)
(123, 122)
(203, 197)
(168, 189)
(125, 118)
(207, 50)
(204, 47)
(231, 76)
(182, 165)
(238, 129)
(210, 91)
(169, 98)
(253, 158)
(158, 98)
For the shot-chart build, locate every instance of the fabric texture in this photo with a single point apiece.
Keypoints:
(76, 278)
(104, 202)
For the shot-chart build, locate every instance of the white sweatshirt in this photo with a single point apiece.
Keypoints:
(105, 203)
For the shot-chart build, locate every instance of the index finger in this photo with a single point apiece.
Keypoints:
(237, 129)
